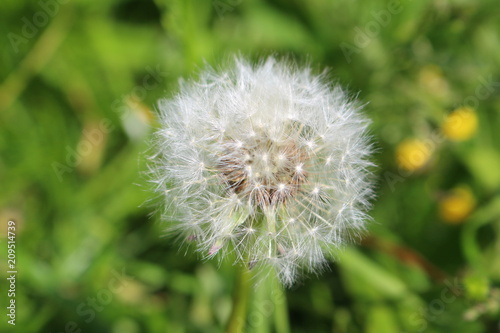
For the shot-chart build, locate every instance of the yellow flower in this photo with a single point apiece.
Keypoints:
(431, 78)
(412, 154)
(461, 124)
(457, 205)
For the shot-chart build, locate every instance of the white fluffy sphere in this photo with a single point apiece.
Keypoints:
(268, 161)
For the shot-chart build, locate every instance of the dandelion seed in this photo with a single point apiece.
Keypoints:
(269, 161)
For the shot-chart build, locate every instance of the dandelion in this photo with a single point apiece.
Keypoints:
(432, 79)
(461, 124)
(413, 154)
(265, 161)
(457, 205)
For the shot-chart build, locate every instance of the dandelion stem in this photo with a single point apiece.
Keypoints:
(236, 323)
(281, 319)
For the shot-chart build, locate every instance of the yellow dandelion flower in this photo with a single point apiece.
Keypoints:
(457, 205)
(431, 78)
(412, 154)
(461, 124)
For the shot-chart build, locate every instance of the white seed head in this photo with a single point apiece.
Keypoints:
(268, 161)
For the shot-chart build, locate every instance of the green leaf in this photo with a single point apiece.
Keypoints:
(368, 280)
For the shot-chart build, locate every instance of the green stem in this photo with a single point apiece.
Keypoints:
(281, 319)
(236, 323)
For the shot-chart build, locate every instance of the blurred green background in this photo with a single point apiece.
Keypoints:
(79, 82)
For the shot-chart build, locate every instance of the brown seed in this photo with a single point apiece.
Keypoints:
(262, 171)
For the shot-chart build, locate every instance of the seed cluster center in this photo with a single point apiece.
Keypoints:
(262, 171)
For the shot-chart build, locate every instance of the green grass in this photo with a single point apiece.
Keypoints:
(87, 80)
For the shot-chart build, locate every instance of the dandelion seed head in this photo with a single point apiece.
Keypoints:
(268, 161)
